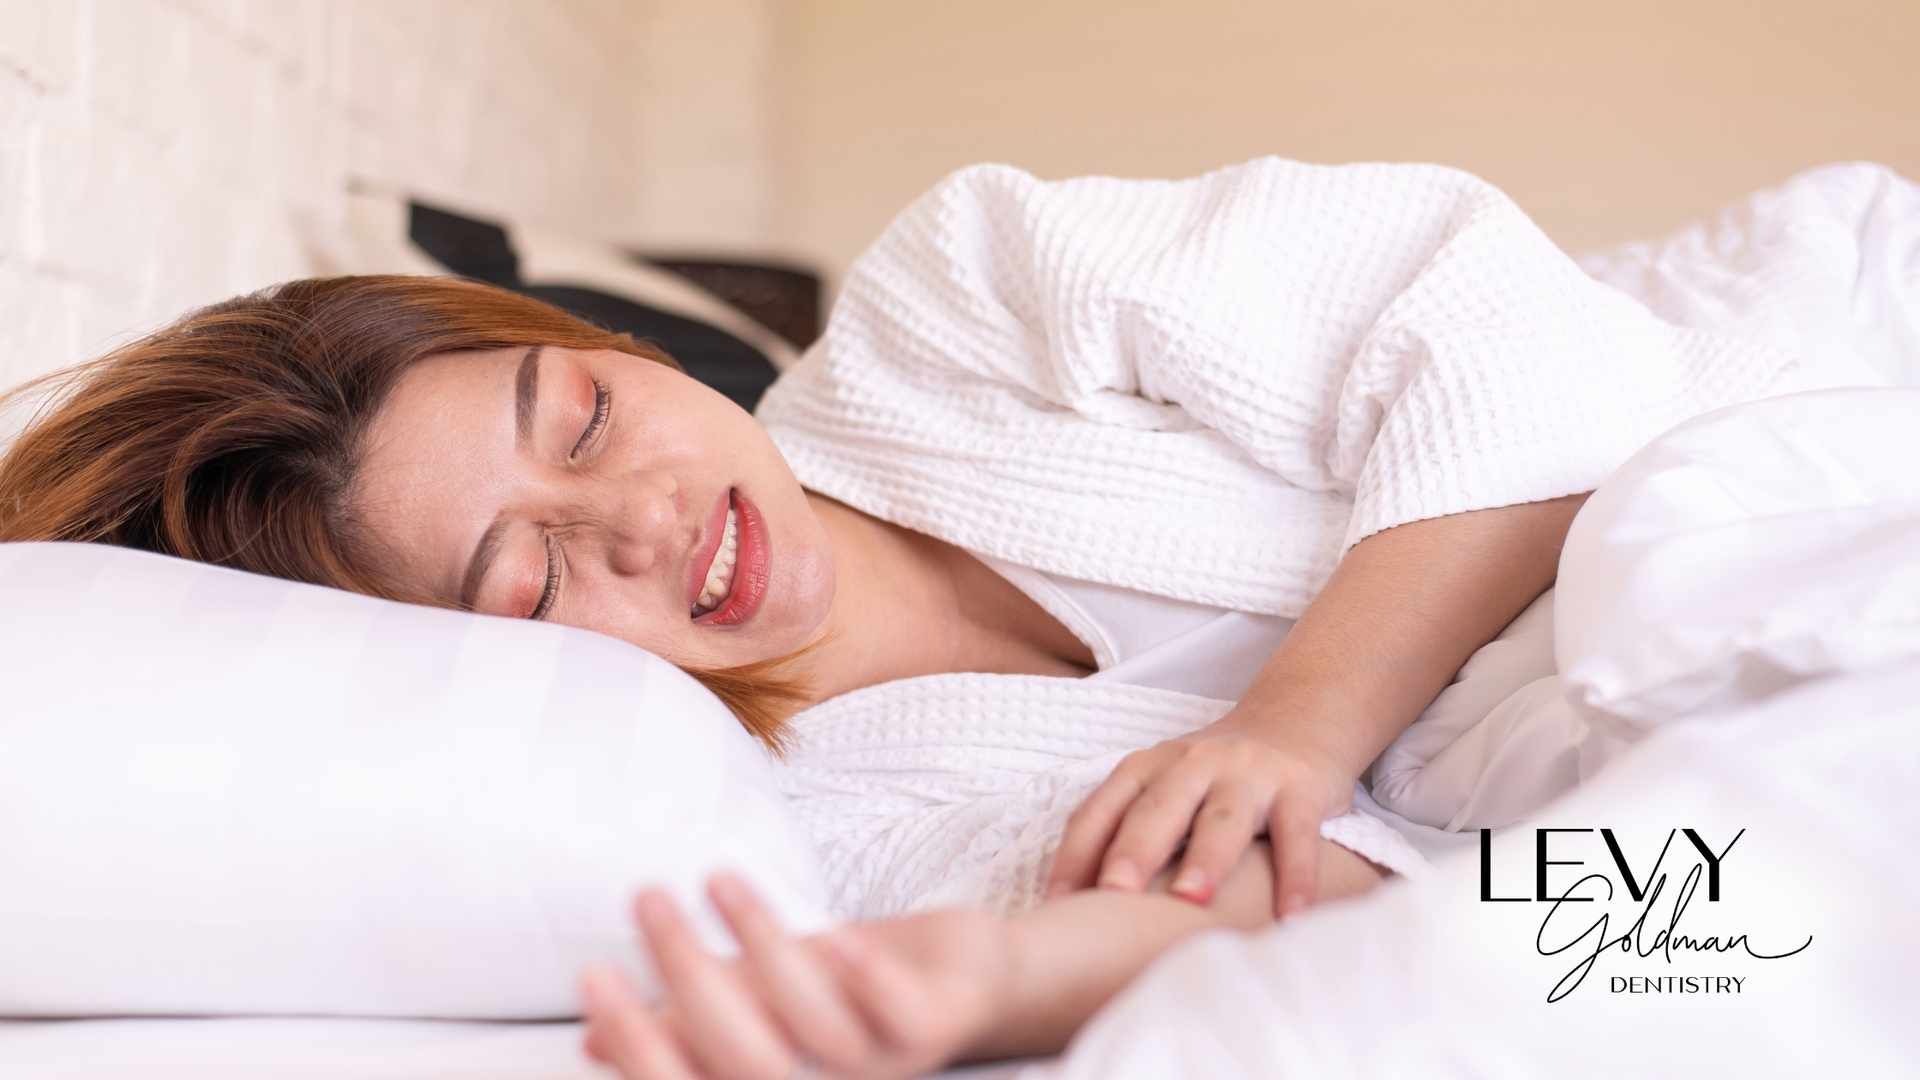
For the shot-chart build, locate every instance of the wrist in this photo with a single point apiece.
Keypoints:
(1064, 959)
(1314, 739)
(1018, 1020)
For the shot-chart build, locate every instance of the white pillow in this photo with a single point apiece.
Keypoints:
(1742, 552)
(226, 793)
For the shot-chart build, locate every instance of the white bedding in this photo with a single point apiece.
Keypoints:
(291, 1048)
(1424, 979)
(1826, 266)
(314, 1048)
(1741, 611)
(1828, 770)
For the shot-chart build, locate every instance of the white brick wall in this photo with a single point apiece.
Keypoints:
(159, 154)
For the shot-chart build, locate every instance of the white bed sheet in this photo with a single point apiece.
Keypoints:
(1424, 979)
(312, 1048)
(291, 1048)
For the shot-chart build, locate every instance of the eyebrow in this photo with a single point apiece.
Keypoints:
(526, 395)
(484, 553)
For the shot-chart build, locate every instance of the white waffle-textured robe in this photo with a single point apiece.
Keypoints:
(1205, 389)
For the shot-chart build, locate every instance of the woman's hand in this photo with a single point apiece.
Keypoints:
(1219, 788)
(899, 998)
(881, 1001)
(1401, 613)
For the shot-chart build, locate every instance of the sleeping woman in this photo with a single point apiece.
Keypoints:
(1298, 437)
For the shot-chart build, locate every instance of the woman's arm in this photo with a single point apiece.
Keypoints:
(1403, 611)
(898, 998)
(1076, 952)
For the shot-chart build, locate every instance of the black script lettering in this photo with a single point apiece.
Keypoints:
(1669, 939)
(1571, 980)
(1665, 942)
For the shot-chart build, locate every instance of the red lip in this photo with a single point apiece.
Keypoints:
(750, 567)
(709, 544)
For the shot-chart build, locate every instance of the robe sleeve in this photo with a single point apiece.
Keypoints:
(1387, 342)
(1402, 334)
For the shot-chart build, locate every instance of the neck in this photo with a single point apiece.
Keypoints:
(906, 604)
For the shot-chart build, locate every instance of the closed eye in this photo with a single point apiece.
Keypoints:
(602, 405)
(552, 591)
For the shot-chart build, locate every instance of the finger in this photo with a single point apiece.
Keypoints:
(727, 1029)
(1149, 831)
(1222, 829)
(1090, 830)
(893, 1001)
(803, 993)
(1294, 827)
(622, 1031)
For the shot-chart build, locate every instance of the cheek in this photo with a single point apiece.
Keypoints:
(807, 575)
(667, 638)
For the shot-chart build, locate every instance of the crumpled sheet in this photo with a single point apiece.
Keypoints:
(1826, 266)
(1423, 978)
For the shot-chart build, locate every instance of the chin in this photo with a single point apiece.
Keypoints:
(803, 594)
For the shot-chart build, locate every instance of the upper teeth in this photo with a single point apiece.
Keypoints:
(720, 574)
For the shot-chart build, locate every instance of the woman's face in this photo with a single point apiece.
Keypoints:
(599, 490)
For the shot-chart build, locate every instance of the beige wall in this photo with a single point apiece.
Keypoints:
(708, 178)
(1606, 119)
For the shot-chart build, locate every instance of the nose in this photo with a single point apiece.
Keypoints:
(639, 517)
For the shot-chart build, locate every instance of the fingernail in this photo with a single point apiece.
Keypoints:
(1119, 876)
(1190, 883)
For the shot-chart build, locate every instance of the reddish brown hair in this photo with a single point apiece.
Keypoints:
(233, 435)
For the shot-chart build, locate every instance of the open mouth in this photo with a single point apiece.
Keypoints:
(718, 585)
(737, 573)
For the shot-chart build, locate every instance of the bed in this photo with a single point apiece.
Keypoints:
(1842, 283)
